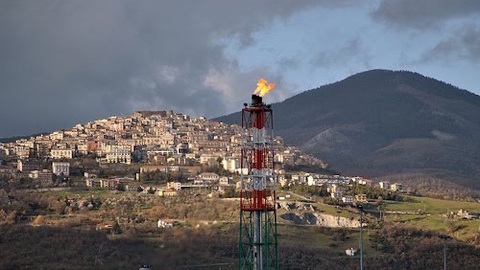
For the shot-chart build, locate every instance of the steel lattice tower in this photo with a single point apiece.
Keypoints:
(258, 216)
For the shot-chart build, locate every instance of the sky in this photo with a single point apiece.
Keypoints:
(65, 62)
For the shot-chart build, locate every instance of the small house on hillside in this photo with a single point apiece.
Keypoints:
(361, 198)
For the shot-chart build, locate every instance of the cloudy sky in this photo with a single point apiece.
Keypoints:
(66, 62)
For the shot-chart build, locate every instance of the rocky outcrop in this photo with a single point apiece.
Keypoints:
(305, 214)
(321, 219)
(336, 221)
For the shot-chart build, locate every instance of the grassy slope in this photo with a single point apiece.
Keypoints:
(431, 206)
(194, 244)
(434, 217)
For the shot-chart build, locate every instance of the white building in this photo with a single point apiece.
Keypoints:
(230, 164)
(347, 199)
(61, 168)
(209, 177)
(351, 252)
(310, 180)
(56, 136)
(396, 187)
(384, 185)
(164, 224)
(119, 154)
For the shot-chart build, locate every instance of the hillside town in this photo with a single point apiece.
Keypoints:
(180, 151)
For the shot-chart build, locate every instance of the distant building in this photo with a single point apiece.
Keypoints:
(361, 198)
(29, 165)
(347, 199)
(396, 187)
(167, 193)
(82, 148)
(174, 185)
(209, 177)
(44, 176)
(335, 188)
(164, 224)
(92, 182)
(61, 168)
(362, 181)
(225, 181)
(384, 185)
(310, 180)
(187, 170)
(119, 154)
(464, 214)
(109, 183)
(351, 252)
(230, 164)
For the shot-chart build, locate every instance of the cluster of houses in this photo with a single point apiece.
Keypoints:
(207, 181)
(152, 138)
(338, 185)
(465, 214)
(37, 170)
(160, 141)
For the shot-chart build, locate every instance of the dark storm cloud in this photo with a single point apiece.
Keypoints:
(464, 44)
(64, 62)
(419, 14)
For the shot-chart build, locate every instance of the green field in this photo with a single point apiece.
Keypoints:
(206, 233)
(430, 205)
(429, 213)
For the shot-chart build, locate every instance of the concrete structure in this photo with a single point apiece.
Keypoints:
(61, 168)
(119, 154)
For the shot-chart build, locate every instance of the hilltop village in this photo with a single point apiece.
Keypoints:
(160, 152)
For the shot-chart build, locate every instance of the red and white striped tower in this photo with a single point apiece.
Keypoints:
(258, 231)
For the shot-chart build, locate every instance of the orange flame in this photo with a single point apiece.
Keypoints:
(263, 87)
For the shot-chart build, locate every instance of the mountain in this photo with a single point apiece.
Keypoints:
(381, 123)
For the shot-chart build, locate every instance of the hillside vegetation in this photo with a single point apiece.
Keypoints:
(60, 230)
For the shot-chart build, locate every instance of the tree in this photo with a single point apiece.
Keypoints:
(230, 192)
(120, 187)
